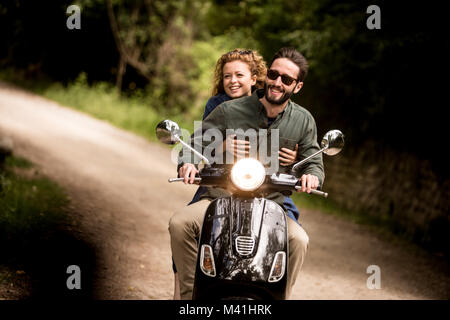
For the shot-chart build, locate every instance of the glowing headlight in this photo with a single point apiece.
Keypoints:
(248, 174)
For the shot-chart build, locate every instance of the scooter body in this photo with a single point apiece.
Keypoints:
(249, 243)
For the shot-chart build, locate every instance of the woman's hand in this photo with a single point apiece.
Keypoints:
(287, 156)
(239, 148)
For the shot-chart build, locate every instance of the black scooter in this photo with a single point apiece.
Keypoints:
(243, 247)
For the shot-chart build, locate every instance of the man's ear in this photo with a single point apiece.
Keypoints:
(298, 86)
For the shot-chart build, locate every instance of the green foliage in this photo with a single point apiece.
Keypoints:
(17, 162)
(382, 224)
(134, 113)
(358, 78)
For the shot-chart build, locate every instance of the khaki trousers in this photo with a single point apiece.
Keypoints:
(184, 228)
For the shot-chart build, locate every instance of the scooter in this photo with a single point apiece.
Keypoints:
(243, 246)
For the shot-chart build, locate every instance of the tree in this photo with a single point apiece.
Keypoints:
(139, 31)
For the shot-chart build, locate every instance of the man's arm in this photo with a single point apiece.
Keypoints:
(311, 173)
(211, 104)
(187, 161)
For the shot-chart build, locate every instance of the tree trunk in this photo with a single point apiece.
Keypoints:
(120, 73)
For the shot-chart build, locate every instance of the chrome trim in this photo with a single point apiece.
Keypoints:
(244, 245)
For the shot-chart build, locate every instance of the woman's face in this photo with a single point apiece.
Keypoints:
(237, 79)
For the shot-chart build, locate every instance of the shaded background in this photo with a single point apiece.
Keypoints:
(383, 88)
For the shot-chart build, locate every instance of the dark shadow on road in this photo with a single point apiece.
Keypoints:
(45, 259)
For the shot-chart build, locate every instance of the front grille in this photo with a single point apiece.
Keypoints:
(245, 245)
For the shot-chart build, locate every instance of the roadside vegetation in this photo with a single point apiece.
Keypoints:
(31, 210)
(102, 101)
(382, 225)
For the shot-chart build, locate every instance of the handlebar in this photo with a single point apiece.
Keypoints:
(181, 179)
(313, 191)
(316, 192)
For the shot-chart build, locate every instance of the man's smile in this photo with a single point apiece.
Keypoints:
(276, 90)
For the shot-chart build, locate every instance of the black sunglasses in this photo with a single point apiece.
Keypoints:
(274, 74)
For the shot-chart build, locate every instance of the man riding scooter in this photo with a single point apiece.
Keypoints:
(267, 109)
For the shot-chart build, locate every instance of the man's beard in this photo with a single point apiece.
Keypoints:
(280, 100)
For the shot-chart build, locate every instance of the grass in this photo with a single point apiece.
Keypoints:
(102, 101)
(383, 226)
(38, 241)
(327, 205)
(135, 113)
(29, 207)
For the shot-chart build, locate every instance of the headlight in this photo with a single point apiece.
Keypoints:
(248, 174)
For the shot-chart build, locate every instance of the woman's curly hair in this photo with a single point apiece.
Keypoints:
(254, 60)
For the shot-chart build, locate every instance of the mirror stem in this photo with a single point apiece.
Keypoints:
(193, 150)
(298, 164)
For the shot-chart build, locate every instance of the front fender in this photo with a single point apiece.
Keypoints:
(245, 234)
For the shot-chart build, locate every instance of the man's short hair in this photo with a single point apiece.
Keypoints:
(296, 57)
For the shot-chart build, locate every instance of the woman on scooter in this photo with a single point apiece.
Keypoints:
(237, 74)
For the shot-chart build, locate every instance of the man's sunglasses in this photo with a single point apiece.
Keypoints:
(274, 74)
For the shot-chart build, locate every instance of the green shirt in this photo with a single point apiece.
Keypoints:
(295, 124)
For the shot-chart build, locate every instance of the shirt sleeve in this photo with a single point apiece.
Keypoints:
(216, 120)
(307, 146)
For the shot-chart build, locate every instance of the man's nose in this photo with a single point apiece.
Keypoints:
(278, 81)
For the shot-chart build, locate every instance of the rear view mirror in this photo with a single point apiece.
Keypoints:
(168, 132)
(332, 142)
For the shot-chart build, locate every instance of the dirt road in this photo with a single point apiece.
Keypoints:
(121, 202)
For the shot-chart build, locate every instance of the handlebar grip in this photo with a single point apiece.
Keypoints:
(316, 192)
(181, 179)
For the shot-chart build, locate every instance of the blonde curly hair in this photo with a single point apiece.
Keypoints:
(254, 60)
